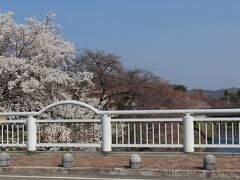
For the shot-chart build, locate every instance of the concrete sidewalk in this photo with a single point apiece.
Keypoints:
(152, 165)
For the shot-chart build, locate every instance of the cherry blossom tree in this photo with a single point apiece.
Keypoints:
(33, 59)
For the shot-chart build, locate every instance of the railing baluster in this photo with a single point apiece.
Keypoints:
(146, 133)
(128, 133)
(226, 133)
(153, 133)
(178, 133)
(76, 131)
(199, 132)
(172, 133)
(23, 134)
(12, 134)
(116, 133)
(232, 133)
(140, 127)
(7, 134)
(213, 133)
(2, 132)
(238, 133)
(206, 134)
(122, 134)
(219, 133)
(159, 133)
(134, 133)
(17, 133)
(165, 130)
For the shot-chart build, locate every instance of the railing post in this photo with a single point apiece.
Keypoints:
(188, 133)
(106, 134)
(31, 134)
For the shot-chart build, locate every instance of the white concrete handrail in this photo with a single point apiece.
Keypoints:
(173, 111)
(124, 112)
(79, 103)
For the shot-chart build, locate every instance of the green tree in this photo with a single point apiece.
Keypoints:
(226, 93)
(180, 87)
(238, 93)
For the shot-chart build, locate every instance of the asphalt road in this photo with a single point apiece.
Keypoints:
(68, 177)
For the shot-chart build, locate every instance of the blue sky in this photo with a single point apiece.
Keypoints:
(191, 42)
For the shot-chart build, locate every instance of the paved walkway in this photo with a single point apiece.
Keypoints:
(169, 162)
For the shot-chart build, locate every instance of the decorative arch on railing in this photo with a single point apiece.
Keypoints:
(79, 103)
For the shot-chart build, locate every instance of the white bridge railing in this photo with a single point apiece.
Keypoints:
(189, 129)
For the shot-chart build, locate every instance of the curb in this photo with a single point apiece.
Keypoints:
(99, 153)
(121, 172)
